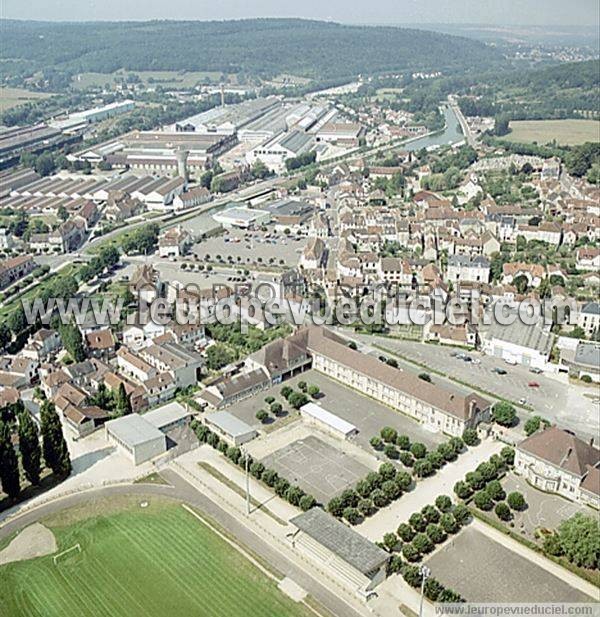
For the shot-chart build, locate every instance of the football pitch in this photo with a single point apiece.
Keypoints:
(153, 561)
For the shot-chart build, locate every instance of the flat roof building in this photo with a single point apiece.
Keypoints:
(230, 428)
(328, 420)
(169, 416)
(354, 559)
(241, 216)
(136, 437)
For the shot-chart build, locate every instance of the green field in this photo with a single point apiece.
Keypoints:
(565, 132)
(11, 97)
(154, 561)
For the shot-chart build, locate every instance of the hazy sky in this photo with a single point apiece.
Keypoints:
(543, 12)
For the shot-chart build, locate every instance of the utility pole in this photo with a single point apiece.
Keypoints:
(425, 574)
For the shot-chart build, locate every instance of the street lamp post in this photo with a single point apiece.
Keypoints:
(425, 574)
(247, 466)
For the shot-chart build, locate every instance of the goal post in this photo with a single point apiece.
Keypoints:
(75, 547)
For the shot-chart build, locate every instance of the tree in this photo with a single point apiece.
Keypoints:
(379, 498)
(389, 434)
(448, 523)
(475, 480)
(508, 454)
(403, 480)
(495, 491)
(461, 514)
(365, 507)
(73, 341)
(122, 402)
(297, 399)
(462, 490)
(256, 469)
(395, 564)
(532, 425)
(446, 451)
(504, 413)
(405, 532)
(436, 460)
(29, 447)
(450, 596)
(387, 471)
(403, 442)
(418, 522)
(516, 501)
(418, 450)
(281, 487)
(423, 469)
(483, 501)
(294, 495)
(285, 392)
(376, 443)
(503, 511)
(218, 356)
(552, 545)
(433, 589)
(470, 437)
(262, 416)
(391, 489)
(430, 513)
(352, 515)
(487, 470)
(406, 458)
(9, 463)
(54, 446)
(443, 503)
(412, 575)
(349, 498)
(269, 477)
(422, 543)
(410, 552)
(436, 534)
(307, 502)
(269, 400)
(579, 538)
(457, 444)
(302, 386)
(276, 409)
(5, 335)
(390, 541)
(17, 321)
(259, 170)
(390, 451)
(314, 391)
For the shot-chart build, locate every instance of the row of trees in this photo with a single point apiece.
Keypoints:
(433, 589)
(53, 449)
(282, 487)
(423, 530)
(415, 455)
(578, 540)
(376, 490)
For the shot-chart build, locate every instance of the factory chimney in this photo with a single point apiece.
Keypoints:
(181, 154)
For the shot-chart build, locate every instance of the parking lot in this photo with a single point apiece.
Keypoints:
(482, 570)
(252, 248)
(558, 401)
(318, 468)
(366, 414)
(543, 509)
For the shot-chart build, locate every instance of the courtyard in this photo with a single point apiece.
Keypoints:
(543, 509)
(482, 570)
(317, 467)
(366, 414)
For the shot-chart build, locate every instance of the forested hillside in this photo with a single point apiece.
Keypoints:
(321, 50)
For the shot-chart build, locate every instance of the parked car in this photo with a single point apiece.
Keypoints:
(522, 401)
(499, 371)
(535, 370)
(510, 361)
(533, 384)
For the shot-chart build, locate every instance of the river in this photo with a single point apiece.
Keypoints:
(451, 135)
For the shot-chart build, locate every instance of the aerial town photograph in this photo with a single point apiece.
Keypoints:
(299, 308)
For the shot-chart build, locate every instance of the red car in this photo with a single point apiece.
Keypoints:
(533, 384)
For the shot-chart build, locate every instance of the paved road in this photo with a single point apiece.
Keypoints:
(469, 137)
(560, 402)
(183, 491)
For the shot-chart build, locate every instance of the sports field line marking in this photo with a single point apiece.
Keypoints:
(240, 550)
